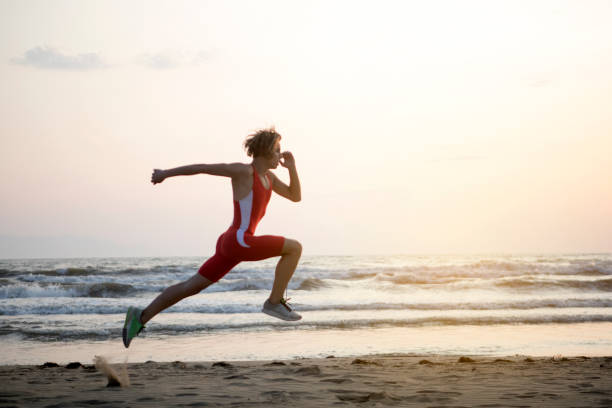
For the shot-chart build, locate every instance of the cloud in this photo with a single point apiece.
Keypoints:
(50, 58)
(201, 57)
(161, 60)
(166, 60)
(45, 57)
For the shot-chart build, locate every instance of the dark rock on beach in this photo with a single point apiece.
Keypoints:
(222, 364)
(276, 363)
(364, 362)
(465, 360)
(48, 365)
(179, 364)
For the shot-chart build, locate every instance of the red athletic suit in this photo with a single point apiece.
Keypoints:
(238, 243)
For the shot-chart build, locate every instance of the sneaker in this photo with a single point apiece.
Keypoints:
(281, 310)
(132, 326)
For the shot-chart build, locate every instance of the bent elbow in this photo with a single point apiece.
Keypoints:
(297, 199)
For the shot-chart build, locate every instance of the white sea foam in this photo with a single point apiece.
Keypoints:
(76, 327)
(331, 292)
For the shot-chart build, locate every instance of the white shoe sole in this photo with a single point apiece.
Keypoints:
(280, 316)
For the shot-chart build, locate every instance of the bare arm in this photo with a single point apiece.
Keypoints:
(222, 169)
(293, 191)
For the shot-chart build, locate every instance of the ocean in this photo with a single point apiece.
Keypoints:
(477, 304)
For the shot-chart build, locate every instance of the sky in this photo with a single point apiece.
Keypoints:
(418, 127)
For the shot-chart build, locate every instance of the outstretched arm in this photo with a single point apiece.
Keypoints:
(292, 191)
(222, 169)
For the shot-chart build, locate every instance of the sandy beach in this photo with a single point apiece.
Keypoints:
(378, 380)
(455, 331)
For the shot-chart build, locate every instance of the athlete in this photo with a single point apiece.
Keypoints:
(252, 186)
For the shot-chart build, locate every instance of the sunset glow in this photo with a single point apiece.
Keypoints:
(417, 127)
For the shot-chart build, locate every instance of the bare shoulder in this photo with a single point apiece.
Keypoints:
(241, 168)
(241, 172)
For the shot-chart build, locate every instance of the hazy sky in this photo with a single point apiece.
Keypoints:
(417, 127)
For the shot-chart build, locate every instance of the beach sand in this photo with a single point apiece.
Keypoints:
(368, 381)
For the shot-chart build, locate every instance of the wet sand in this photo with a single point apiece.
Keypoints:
(391, 380)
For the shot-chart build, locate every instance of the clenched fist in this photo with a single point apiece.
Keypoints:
(287, 160)
(157, 176)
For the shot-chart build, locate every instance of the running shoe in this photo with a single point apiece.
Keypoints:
(280, 311)
(132, 326)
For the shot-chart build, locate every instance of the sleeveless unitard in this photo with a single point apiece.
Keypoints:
(239, 243)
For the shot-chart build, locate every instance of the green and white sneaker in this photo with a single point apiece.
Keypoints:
(132, 325)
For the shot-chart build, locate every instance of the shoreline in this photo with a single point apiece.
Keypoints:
(576, 339)
(370, 380)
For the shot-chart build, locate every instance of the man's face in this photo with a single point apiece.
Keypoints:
(276, 155)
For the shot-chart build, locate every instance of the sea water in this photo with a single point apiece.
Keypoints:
(477, 304)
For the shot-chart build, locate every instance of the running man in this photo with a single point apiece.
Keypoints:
(252, 186)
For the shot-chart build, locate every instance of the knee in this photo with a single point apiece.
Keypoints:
(292, 247)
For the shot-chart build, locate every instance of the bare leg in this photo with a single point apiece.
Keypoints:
(173, 294)
(292, 250)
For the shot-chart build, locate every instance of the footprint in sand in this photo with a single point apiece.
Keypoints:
(530, 394)
(236, 377)
(352, 396)
(276, 396)
(312, 370)
(337, 380)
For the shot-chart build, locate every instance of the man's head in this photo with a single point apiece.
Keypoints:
(264, 143)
